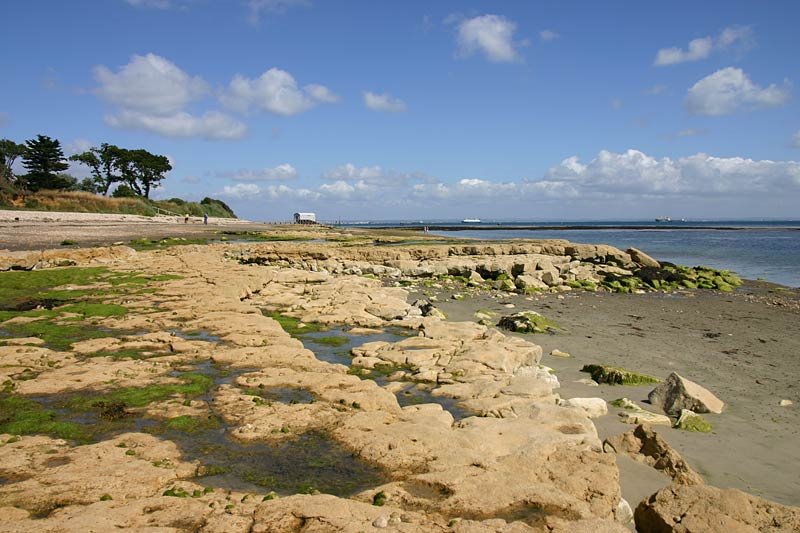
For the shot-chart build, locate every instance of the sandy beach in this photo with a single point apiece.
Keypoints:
(523, 464)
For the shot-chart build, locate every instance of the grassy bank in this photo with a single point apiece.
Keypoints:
(85, 202)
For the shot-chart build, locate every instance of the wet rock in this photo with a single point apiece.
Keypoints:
(683, 508)
(677, 392)
(617, 376)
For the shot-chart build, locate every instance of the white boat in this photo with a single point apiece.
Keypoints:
(663, 219)
(471, 221)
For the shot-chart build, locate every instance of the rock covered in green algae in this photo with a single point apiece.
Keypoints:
(617, 376)
(691, 421)
(527, 322)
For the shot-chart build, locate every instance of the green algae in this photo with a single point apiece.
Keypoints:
(191, 424)
(22, 416)
(194, 384)
(294, 326)
(610, 375)
(333, 340)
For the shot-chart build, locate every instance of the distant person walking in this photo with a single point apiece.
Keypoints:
(186, 218)
(205, 219)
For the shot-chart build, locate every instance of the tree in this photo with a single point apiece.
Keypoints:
(44, 159)
(9, 153)
(102, 162)
(144, 171)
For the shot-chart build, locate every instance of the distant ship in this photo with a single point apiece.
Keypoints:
(471, 221)
(663, 219)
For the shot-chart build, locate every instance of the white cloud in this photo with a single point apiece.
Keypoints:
(698, 49)
(241, 190)
(350, 172)
(275, 91)
(320, 93)
(491, 34)
(729, 90)
(636, 173)
(258, 8)
(796, 140)
(149, 84)
(548, 35)
(702, 47)
(211, 125)
(278, 173)
(383, 102)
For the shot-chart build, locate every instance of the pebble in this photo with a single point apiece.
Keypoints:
(559, 353)
(785, 403)
(509, 306)
(381, 522)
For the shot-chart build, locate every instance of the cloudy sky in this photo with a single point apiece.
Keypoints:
(425, 109)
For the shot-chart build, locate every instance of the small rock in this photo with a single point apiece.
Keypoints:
(381, 522)
(623, 513)
(785, 403)
(588, 381)
(509, 306)
(559, 353)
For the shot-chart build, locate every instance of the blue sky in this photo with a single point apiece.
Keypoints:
(425, 110)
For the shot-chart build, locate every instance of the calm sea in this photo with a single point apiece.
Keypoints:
(766, 250)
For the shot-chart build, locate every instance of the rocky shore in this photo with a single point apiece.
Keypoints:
(348, 382)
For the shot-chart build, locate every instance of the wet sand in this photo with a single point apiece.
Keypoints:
(744, 347)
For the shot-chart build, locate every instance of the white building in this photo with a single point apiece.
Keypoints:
(305, 218)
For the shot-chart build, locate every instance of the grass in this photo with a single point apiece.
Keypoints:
(617, 376)
(86, 202)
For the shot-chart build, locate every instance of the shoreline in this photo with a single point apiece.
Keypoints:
(522, 446)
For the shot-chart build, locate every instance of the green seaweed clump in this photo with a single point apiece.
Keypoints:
(191, 424)
(611, 375)
(690, 421)
(379, 499)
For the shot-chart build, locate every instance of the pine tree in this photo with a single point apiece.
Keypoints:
(44, 159)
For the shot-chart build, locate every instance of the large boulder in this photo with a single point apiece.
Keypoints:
(677, 392)
(683, 508)
(641, 258)
(648, 447)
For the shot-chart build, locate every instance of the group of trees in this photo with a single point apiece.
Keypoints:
(136, 172)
